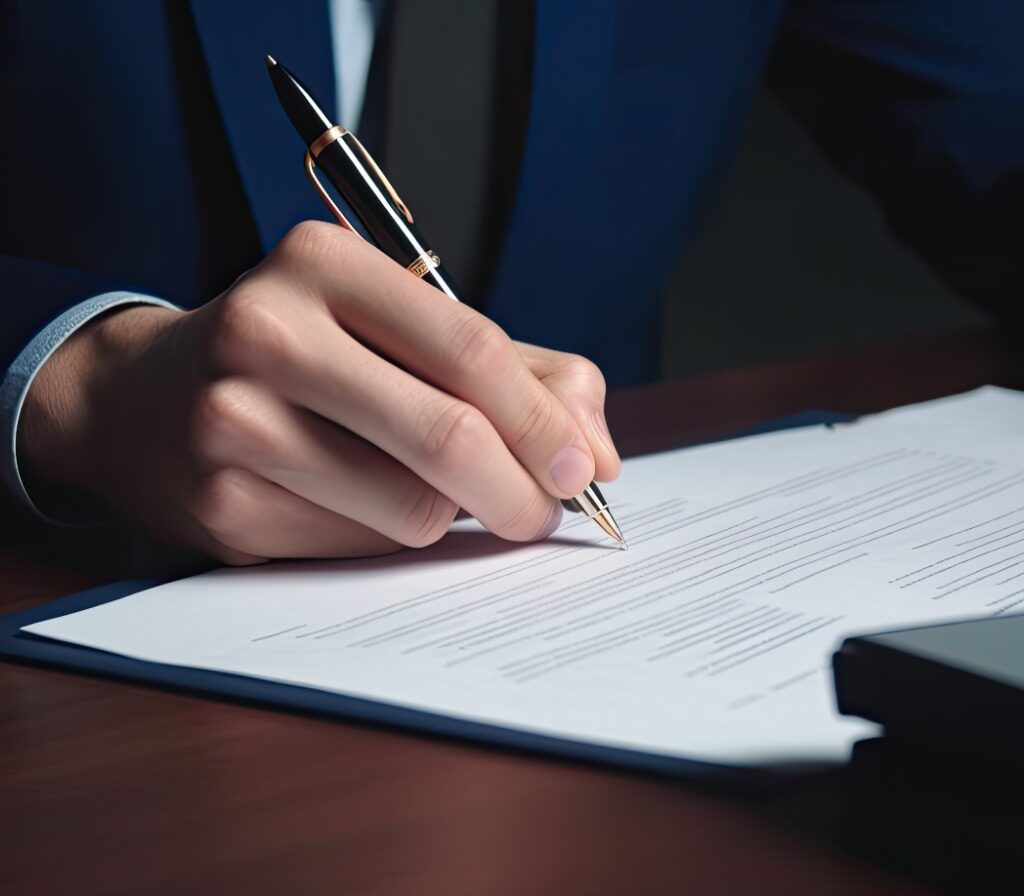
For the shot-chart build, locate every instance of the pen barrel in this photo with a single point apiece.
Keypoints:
(369, 198)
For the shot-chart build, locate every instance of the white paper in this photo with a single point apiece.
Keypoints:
(988, 407)
(710, 638)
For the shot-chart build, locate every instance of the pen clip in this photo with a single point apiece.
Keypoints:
(332, 207)
(395, 198)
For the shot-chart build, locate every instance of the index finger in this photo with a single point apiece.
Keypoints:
(456, 349)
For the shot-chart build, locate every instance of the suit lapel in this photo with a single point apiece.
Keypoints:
(234, 36)
(572, 57)
(572, 63)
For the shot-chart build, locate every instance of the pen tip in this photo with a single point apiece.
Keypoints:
(607, 522)
(623, 546)
(271, 61)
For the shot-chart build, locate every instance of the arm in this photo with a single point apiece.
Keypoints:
(328, 404)
(18, 378)
(43, 304)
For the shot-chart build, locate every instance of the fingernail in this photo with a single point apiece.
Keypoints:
(571, 470)
(554, 520)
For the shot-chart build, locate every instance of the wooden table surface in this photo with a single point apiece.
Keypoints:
(111, 788)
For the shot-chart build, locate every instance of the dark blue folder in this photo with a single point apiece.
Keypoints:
(24, 647)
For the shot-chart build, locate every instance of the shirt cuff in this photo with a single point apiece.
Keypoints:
(17, 379)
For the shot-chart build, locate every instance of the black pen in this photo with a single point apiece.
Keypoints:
(356, 176)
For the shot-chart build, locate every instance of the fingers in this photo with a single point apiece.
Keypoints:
(461, 414)
(239, 423)
(579, 385)
(451, 346)
(446, 442)
(248, 518)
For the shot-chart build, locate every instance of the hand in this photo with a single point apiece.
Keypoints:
(329, 404)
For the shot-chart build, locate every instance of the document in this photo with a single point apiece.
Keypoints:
(988, 407)
(709, 639)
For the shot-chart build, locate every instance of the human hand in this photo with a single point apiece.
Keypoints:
(329, 404)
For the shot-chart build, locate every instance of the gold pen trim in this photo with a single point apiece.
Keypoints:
(310, 167)
(424, 263)
(336, 133)
(326, 138)
(591, 502)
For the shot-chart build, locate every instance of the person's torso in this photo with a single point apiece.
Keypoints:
(148, 146)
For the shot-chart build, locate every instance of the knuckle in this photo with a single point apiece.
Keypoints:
(306, 239)
(428, 518)
(315, 242)
(223, 421)
(219, 504)
(455, 436)
(528, 520)
(535, 422)
(480, 349)
(249, 331)
(587, 371)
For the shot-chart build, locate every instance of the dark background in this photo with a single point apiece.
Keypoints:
(794, 261)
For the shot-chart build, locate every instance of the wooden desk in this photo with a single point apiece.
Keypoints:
(112, 788)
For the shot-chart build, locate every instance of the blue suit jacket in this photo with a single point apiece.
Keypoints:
(113, 178)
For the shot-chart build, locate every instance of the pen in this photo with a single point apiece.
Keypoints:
(353, 172)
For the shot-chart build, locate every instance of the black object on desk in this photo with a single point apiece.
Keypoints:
(953, 688)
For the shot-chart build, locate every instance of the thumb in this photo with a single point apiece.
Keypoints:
(578, 384)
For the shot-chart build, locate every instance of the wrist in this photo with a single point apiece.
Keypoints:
(62, 447)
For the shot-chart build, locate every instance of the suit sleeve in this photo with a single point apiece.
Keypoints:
(33, 293)
(922, 102)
